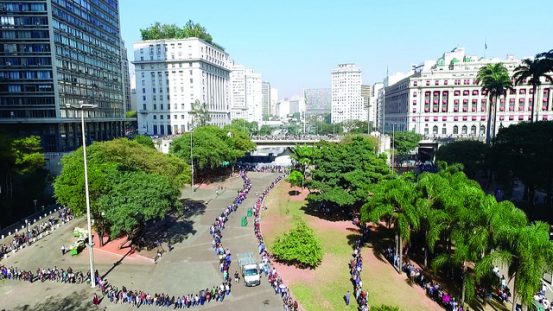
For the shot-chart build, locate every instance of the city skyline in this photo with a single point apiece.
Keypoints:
(295, 46)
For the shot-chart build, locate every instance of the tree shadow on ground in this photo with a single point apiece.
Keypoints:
(77, 301)
(174, 228)
(326, 211)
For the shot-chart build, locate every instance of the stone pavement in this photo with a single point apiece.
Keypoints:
(190, 266)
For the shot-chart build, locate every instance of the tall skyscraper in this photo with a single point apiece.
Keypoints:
(174, 74)
(55, 56)
(266, 104)
(346, 100)
(247, 94)
(274, 101)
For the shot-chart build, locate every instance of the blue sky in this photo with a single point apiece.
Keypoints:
(295, 44)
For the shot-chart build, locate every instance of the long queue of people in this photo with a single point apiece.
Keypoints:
(274, 279)
(50, 274)
(355, 269)
(36, 232)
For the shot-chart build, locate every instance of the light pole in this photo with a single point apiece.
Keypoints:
(192, 161)
(87, 196)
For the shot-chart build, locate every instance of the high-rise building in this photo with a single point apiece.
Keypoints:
(444, 99)
(174, 74)
(346, 99)
(126, 77)
(366, 92)
(246, 95)
(374, 111)
(274, 101)
(54, 57)
(317, 102)
(266, 103)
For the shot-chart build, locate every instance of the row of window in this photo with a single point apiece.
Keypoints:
(25, 61)
(26, 88)
(24, 48)
(26, 75)
(24, 34)
(26, 101)
(22, 7)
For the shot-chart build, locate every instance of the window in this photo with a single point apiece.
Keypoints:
(464, 130)
(473, 130)
(482, 130)
(435, 130)
(444, 129)
(455, 130)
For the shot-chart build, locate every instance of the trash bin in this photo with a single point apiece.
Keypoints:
(244, 221)
(250, 212)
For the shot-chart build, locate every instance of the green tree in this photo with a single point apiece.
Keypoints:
(296, 178)
(524, 151)
(471, 153)
(343, 173)
(528, 254)
(134, 199)
(250, 128)
(265, 130)
(172, 31)
(200, 114)
(299, 247)
(303, 157)
(495, 80)
(145, 140)
(398, 203)
(22, 176)
(106, 162)
(533, 70)
(356, 127)
(404, 143)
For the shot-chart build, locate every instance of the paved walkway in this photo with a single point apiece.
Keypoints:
(191, 265)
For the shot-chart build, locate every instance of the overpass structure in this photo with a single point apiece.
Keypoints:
(291, 142)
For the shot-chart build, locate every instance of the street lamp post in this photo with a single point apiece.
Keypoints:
(87, 195)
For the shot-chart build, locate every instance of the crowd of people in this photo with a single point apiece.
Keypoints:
(250, 167)
(355, 269)
(274, 279)
(30, 235)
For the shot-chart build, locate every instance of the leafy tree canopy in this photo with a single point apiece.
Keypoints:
(265, 130)
(344, 172)
(405, 142)
(295, 178)
(106, 162)
(300, 247)
(250, 128)
(172, 31)
(212, 146)
(131, 114)
(145, 140)
(472, 154)
(525, 151)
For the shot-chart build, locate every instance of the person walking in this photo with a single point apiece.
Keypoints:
(346, 298)
(63, 249)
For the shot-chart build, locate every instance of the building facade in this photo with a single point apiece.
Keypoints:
(443, 99)
(126, 77)
(55, 56)
(266, 102)
(374, 111)
(172, 75)
(246, 94)
(317, 102)
(346, 99)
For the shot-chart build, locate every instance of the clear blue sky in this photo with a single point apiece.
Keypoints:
(295, 44)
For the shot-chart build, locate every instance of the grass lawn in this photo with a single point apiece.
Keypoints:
(323, 288)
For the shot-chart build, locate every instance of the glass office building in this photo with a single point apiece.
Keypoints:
(54, 56)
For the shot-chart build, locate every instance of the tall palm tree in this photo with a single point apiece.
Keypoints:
(397, 202)
(495, 79)
(528, 253)
(532, 70)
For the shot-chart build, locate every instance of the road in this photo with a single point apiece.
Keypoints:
(191, 265)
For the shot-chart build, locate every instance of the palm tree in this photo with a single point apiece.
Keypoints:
(528, 253)
(397, 202)
(494, 79)
(532, 70)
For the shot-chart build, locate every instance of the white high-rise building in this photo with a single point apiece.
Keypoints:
(443, 99)
(172, 74)
(274, 101)
(346, 99)
(246, 95)
(373, 104)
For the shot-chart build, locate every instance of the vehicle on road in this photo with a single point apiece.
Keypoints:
(249, 269)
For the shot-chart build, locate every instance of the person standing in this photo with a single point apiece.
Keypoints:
(63, 250)
(347, 297)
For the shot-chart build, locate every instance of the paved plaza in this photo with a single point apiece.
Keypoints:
(190, 266)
